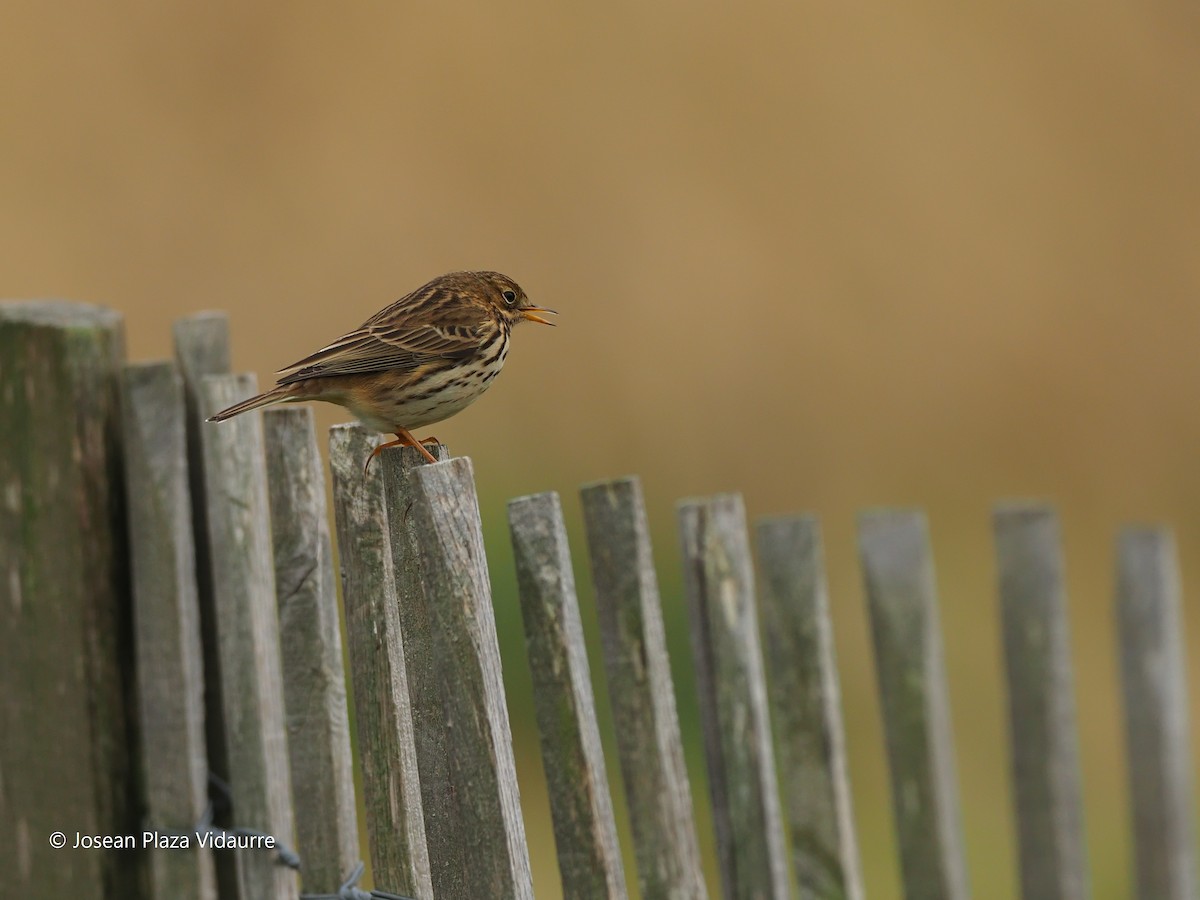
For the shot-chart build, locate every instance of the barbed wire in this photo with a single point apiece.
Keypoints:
(284, 855)
(350, 891)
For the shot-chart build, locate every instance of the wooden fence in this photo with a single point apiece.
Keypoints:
(169, 614)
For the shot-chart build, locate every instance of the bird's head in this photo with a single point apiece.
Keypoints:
(510, 301)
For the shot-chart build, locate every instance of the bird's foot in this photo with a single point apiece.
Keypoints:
(404, 438)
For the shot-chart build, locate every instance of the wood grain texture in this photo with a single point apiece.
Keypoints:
(1041, 702)
(901, 597)
(202, 349)
(247, 632)
(719, 584)
(464, 743)
(314, 681)
(806, 708)
(589, 856)
(66, 754)
(169, 655)
(375, 645)
(641, 691)
(1154, 685)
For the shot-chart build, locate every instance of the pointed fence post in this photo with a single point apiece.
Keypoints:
(719, 582)
(589, 857)
(806, 708)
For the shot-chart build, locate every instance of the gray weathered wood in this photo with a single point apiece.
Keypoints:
(202, 346)
(314, 681)
(901, 596)
(464, 744)
(1041, 703)
(65, 756)
(201, 349)
(383, 711)
(641, 691)
(170, 668)
(472, 807)
(422, 658)
(589, 857)
(806, 708)
(719, 584)
(247, 631)
(1154, 682)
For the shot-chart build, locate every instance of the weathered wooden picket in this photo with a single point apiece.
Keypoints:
(170, 614)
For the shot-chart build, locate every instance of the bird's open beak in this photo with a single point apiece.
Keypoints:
(529, 313)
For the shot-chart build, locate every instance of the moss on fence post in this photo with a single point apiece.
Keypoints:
(65, 750)
(589, 856)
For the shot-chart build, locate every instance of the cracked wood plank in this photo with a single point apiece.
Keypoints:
(464, 743)
(314, 680)
(247, 631)
(379, 671)
(170, 664)
(731, 683)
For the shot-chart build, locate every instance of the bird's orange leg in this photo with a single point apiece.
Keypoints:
(404, 438)
(406, 435)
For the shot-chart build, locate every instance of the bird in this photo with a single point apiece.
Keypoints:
(418, 361)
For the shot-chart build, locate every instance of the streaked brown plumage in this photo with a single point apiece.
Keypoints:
(419, 361)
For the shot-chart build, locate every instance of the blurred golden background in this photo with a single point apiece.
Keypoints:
(829, 255)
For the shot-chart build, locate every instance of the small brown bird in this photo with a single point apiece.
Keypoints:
(421, 360)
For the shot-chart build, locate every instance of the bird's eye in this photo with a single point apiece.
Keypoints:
(510, 297)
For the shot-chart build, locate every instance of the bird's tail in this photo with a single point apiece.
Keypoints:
(275, 395)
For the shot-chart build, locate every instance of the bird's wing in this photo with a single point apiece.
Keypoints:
(398, 346)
